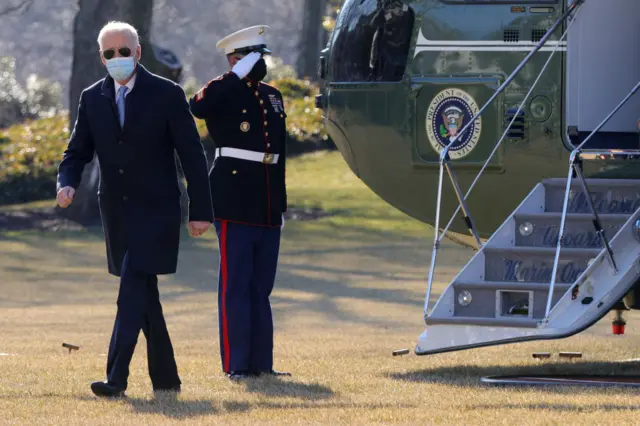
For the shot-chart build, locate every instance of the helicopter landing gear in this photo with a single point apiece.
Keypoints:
(618, 324)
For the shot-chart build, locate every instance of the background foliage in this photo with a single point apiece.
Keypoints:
(38, 98)
(31, 151)
(34, 126)
(41, 38)
(29, 157)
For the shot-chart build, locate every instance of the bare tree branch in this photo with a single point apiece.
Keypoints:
(22, 8)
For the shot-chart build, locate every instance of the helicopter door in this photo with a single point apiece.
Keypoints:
(603, 65)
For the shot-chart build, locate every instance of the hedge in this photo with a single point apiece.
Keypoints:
(29, 157)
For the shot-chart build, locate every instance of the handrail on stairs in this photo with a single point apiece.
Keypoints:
(444, 157)
(575, 167)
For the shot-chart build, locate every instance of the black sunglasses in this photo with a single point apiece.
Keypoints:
(110, 53)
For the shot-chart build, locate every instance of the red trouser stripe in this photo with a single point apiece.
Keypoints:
(225, 326)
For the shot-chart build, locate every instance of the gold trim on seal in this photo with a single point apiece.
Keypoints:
(245, 126)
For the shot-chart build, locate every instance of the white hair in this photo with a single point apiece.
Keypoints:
(118, 27)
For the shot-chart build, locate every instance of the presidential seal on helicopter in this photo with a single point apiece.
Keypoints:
(446, 117)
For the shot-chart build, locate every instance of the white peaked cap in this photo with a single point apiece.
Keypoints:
(251, 38)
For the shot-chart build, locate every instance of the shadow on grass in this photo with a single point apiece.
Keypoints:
(328, 282)
(49, 247)
(313, 396)
(572, 408)
(243, 407)
(370, 233)
(234, 406)
(470, 375)
(171, 406)
(274, 387)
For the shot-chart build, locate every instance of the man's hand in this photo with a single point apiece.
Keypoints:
(196, 229)
(65, 196)
(244, 66)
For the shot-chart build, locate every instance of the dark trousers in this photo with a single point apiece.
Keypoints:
(139, 308)
(248, 263)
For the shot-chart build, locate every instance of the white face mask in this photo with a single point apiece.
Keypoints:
(121, 68)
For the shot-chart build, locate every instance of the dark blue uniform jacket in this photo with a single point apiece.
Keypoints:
(246, 115)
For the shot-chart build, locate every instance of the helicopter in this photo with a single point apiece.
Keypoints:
(528, 108)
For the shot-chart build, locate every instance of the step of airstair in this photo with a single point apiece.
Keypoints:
(542, 229)
(503, 300)
(515, 287)
(486, 322)
(535, 264)
(610, 196)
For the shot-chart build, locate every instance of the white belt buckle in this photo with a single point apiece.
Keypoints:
(268, 158)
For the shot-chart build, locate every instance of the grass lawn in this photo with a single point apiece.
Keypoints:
(349, 291)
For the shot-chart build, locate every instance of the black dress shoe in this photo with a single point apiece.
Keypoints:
(273, 373)
(238, 375)
(106, 390)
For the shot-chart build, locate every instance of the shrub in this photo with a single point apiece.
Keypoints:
(295, 88)
(190, 87)
(304, 120)
(29, 158)
(278, 69)
(38, 99)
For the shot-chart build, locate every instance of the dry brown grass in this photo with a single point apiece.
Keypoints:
(348, 293)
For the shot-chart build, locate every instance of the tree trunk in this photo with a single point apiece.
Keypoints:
(87, 69)
(312, 39)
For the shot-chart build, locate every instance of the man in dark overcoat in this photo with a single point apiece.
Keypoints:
(247, 121)
(134, 122)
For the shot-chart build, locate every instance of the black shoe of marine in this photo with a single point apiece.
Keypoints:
(106, 390)
(273, 373)
(238, 375)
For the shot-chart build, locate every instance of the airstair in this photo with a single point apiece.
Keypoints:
(564, 258)
(501, 295)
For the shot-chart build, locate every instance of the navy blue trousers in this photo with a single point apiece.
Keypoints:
(248, 263)
(139, 308)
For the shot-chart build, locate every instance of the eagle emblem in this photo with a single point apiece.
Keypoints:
(452, 121)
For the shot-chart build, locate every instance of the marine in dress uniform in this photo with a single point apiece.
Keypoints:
(134, 121)
(246, 119)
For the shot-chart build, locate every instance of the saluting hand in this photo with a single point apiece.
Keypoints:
(65, 196)
(197, 229)
(244, 66)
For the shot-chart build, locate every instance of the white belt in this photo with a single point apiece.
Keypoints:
(243, 154)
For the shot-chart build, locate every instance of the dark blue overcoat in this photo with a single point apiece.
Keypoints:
(139, 194)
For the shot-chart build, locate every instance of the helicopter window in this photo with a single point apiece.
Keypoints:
(372, 43)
